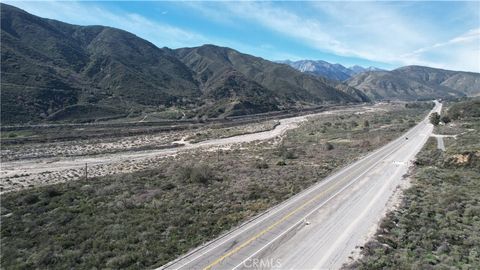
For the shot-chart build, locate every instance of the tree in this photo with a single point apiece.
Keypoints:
(435, 119)
(446, 119)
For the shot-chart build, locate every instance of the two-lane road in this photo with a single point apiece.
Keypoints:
(319, 227)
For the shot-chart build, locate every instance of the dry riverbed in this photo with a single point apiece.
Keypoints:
(30, 165)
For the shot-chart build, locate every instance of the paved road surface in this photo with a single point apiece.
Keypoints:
(318, 228)
(440, 144)
(441, 141)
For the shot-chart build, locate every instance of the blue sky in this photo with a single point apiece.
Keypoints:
(384, 34)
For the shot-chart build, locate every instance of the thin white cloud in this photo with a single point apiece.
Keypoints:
(161, 34)
(472, 35)
(368, 30)
(371, 30)
(314, 33)
(209, 11)
(461, 52)
(285, 22)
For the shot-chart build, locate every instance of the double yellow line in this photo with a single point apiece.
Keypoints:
(269, 228)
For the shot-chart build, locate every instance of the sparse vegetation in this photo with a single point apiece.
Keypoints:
(465, 109)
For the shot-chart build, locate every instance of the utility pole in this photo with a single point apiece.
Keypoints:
(86, 171)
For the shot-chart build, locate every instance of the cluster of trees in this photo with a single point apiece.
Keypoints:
(435, 119)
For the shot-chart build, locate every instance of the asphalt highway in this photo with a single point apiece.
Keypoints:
(319, 227)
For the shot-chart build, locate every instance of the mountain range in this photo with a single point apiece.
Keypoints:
(54, 71)
(336, 72)
(405, 83)
(416, 83)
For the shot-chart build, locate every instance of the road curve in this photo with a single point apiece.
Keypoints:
(319, 227)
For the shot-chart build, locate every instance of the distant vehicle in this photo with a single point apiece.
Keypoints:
(406, 138)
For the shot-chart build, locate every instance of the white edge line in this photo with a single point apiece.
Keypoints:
(319, 206)
(268, 213)
(314, 210)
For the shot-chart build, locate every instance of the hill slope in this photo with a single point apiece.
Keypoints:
(57, 71)
(417, 82)
(48, 65)
(286, 83)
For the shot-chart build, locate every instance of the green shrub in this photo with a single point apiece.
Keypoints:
(261, 164)
(31, 199)
(52, 192)
(283, 151)
(202, 174)
(445, 119)
(328, 146)
(281, 163)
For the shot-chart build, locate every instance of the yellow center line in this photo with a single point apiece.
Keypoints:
(269, 228)
(274, 224)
